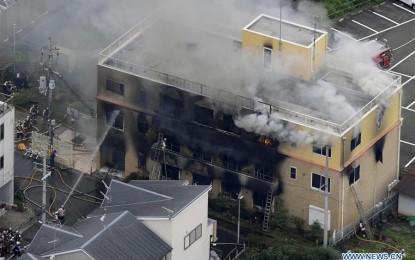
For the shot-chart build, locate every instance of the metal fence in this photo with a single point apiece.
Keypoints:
(379, 211)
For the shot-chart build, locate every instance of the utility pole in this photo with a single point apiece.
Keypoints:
(14, 48)
(46, 85)
(326, 199)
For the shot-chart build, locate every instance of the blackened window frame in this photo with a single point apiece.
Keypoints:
(354, 175)
(293, 173)
(114, 86)
(321, 150)
(318, 182)
(355, 142)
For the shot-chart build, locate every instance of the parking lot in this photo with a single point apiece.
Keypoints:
(394, 23)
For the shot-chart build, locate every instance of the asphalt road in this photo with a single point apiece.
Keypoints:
(394, 23)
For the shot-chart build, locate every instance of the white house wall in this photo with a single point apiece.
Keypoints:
(7, 150)
(406, 205)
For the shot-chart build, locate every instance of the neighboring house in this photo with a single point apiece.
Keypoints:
(116, 236)
(185, 112)
(165, 220)
(6, 153)
(406, 190)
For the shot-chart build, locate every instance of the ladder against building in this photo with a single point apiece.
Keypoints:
(159, 146)
(361, 213)
(267, 211)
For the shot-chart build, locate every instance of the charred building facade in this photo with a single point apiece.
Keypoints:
(251, 115)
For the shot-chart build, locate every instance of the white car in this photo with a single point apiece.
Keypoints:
(411, 3)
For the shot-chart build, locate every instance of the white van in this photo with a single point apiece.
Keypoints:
(411, 3)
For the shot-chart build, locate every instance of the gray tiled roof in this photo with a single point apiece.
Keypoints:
(29, 256)
(407, 184)
(50, 237)
(150, 198)
(118, 235)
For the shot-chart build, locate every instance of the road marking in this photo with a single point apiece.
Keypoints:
(19, 30)
(403, 8)
(405, 142)
(367, 27)
(397, 48)
(409, 162)
(412, 110)
(387, 29)
(401, 74)
(412, 53)
(386, 18)
(343, 33)
(32, 22)
(408, 106)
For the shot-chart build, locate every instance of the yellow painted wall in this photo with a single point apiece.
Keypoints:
(296, 60)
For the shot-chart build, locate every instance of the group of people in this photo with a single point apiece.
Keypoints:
(10, 243)
(19, 83)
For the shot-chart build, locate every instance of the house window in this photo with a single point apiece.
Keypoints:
(2, 162)
(230, 162)
(118, 122)
(193, 236)
(354, 175)
(321, 150)
(204, 116)
(142, 99)
(2, 132)
(318, 182)
(355, 141)
(267, 58)
(115, 87)
(293, 173)
(200, 155)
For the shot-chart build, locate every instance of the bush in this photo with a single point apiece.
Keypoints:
(315, 233)
(279, 219)
(299, 223)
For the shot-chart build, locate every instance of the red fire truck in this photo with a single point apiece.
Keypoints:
(384, 58)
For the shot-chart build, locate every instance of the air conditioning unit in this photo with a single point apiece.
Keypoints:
(392, 185)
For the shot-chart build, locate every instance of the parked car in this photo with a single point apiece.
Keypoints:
(411, 3)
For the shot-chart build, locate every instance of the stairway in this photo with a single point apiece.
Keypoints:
(362, 213)
(267, 211)
(155, 171)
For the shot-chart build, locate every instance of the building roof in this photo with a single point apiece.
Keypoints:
(29, 256)
(166, 51)
(155, 199)
(7, 3)
(112, 236)
(288, 31)
(406, 185)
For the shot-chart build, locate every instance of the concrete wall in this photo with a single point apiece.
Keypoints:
(406, 205)
(7, 152)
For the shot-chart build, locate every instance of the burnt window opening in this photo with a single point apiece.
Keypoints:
(2, 162)
(115, 87)
(142, 161)
(263, 171)
(321, 150)
(2, 132)
(171, 106)
(142, 123)
(172, 142)
(293, 173)
(229, 124)
(168, 172)
(379, 155)
(355, 141)
(229, 162)
(267, 57)
(354, 175)
(200, 155)
(201, 180)
(319, 182)
(259, 199)
(118, 159)
(118, 122)
(142, 98)
(230, 189)
(204, 116)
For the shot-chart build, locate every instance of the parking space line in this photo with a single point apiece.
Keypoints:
(367, 27)
(405, 142)
(387, 29)
(401, 74)
(408, 106)
(403, 8)
(384, 17)
(412, 53)
(397, 48)
(412, 110)
(343, 33)
(409, 163)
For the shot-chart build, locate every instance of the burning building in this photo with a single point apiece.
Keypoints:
(256, 115)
